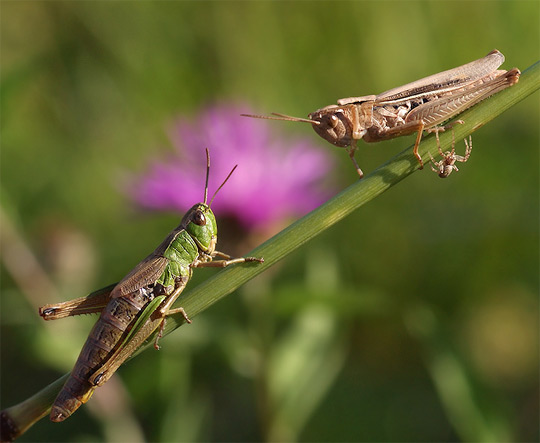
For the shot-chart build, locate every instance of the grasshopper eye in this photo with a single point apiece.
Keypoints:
(199, 218)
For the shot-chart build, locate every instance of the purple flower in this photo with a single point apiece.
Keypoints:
(276, 177)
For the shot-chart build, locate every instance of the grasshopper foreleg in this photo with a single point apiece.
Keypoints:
(351, 151)
(227, 260)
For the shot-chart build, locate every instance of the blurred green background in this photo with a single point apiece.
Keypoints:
(415, 319)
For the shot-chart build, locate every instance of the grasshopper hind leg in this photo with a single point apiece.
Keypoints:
(166, 310)
(164, 321)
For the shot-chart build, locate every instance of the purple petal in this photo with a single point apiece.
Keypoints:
(276, 178)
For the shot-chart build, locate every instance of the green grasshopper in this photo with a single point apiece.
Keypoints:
(138, 305)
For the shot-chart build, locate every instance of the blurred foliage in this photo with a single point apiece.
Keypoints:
(415, 319)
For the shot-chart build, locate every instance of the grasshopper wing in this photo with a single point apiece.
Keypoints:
(145, 273)
(447, 80)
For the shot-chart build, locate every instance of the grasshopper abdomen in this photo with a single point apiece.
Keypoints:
(102, 341)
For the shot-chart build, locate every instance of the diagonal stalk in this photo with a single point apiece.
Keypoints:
(196, 300)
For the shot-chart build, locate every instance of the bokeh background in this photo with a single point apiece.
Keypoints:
(414, 319)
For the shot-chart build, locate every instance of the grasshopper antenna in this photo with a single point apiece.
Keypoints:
(221, 186)
(282, 117)
(207, 175)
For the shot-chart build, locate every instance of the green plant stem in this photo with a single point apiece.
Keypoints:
(16, 420)
(362, 191)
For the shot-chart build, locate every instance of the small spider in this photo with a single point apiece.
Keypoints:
(449, 158)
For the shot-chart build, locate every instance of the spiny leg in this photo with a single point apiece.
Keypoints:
(433, 162)
(448, 158)
(447, 164)
(224, 263)
(417, 144)
(468, 149)
(436, 130)
(221, 255)
(165, 310)
(351, 151)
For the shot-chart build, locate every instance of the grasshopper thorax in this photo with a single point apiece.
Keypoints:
(333, 124)
(200, 224)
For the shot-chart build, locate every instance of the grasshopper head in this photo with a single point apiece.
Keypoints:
(330, 122)
(200, 223)
(333, 124)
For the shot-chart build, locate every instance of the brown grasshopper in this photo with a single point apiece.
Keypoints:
(419, 106)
